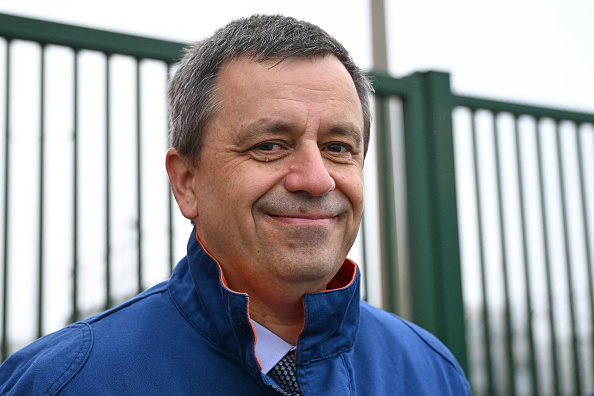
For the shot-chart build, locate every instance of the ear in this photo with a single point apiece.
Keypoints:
(181, 174)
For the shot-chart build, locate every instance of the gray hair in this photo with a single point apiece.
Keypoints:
(191, 93)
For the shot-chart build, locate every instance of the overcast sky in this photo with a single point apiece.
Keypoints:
(536, 51)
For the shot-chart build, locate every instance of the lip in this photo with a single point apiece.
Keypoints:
(307, 220)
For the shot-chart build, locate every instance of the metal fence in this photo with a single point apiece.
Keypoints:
(525, 183)
(481, 230)
(524, 197)
(87, 215)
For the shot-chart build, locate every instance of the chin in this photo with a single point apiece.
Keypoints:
(308, 269)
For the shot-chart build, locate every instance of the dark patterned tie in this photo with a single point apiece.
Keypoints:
(285, 375)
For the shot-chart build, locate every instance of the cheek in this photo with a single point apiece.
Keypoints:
(352, 186)
(246, 186)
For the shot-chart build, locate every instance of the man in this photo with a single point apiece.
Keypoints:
(270, 124)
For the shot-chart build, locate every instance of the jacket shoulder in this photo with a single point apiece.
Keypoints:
(410, 348)
(405, 332)
(46, 365)
(53, 362)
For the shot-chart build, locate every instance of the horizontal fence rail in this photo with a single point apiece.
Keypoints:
(79, 38)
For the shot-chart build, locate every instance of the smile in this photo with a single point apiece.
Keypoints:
(311, 220)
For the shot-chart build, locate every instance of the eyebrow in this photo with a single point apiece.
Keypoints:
(261, 128)
(349, 130)
(265, 126)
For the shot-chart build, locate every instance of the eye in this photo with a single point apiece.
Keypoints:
(339, 152)
(268, 151)
(338, 148)
(266, 146)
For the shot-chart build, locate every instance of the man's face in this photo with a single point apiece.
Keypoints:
(279, 179)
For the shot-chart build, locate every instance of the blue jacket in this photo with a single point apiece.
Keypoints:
(192, 336)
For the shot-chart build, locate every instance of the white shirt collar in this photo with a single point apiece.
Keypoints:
(270, 348)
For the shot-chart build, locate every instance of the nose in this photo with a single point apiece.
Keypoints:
(308, 173)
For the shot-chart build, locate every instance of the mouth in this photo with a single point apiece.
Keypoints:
(304, 219)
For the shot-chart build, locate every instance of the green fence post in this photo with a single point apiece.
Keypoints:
(435, 274)
(387, 207)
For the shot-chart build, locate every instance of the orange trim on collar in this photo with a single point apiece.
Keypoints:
(224, 282)
(255, 335)
(344, 277)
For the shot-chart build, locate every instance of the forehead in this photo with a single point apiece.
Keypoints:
(248, 88)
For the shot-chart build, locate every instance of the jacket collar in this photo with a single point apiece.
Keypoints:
(221, 315)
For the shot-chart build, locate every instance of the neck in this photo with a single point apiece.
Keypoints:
(278, 307)
(281, 309)
(286, 323)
